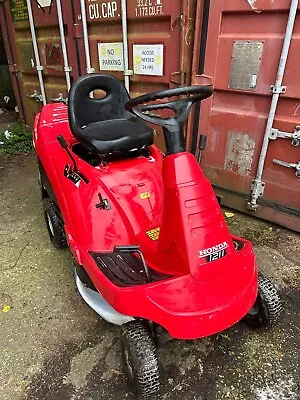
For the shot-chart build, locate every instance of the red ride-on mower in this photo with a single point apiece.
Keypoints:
(150, 246)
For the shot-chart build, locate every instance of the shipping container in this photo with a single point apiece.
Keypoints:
(251, 158)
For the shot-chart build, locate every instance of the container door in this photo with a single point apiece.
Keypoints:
(153, 43)
(243, 47)
(49, 45)
(6, 24)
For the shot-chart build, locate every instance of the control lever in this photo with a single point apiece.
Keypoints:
(64, 145)
(289, 165)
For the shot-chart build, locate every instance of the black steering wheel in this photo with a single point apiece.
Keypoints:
(181, 106)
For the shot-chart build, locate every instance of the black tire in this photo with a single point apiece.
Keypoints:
(140, 360)
(43, 191)
(53, 223)
(267, 309)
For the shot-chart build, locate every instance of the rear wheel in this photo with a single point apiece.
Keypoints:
(267, 309)
(140, 360)
(53, 223)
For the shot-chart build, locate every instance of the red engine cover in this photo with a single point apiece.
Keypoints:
(166, 206)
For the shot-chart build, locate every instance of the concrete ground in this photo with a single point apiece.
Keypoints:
(53, 347)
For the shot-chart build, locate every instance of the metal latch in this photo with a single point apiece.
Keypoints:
(257, 190)
(60, 99)
(36, 96)
(295, 136)
(128, 72)
(277, 89)
(289, 165)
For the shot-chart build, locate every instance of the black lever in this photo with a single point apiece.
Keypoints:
(201, 147)
(62, 141)
(64, 145)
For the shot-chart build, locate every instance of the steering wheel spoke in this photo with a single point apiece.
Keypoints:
(174, 125)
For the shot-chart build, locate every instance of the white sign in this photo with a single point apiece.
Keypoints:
(107, 9)
(45, 3)
(148, 59)
(111, 56)
(149, 8)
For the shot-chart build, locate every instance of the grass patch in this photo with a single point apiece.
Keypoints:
(15, 139)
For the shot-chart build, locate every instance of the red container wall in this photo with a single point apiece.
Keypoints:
(243, 48)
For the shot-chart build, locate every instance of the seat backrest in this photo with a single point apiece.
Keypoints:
(84, 109)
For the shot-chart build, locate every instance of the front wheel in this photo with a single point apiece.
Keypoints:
(55, 230)
(140, 360)
(267, 309)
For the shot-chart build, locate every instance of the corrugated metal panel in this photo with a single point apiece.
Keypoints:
(243, 49)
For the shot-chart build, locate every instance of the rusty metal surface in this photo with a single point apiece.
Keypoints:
(49, 44)
(235, 117)
(245, 64)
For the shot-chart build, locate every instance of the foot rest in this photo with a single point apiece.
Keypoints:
(125, 269)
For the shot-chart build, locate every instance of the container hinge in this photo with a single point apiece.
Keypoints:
(60, 99)
(202, 80)
(277, 89)
(257, 190)
(128, 72)
(289, 165)
(178, 77)
(36, 96)
(13, 68)
(295, 136)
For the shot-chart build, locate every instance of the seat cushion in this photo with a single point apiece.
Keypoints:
(117, 135)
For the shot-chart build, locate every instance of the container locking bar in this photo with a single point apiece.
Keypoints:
(289, 165)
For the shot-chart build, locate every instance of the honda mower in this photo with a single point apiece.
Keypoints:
(151, 249)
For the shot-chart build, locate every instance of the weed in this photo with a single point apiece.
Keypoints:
(15, 139)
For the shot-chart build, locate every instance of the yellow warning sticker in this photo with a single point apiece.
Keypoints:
(153, 234)
(145, 195)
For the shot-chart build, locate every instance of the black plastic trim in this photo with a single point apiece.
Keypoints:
(125, 269)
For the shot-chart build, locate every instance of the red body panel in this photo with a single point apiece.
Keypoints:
(201, 298)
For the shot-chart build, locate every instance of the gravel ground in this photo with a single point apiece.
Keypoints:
(53, 347)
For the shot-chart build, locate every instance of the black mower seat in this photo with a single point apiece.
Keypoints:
(102, 125)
